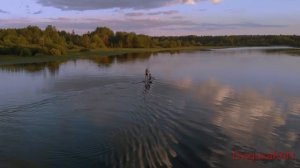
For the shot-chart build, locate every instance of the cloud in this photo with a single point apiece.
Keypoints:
(38, 12)
(191, 2)
(150, 26)
(169, 12)
(216, 1)
(225, 26)
(137, 14)
(3, 11)
(250, 109)
(82, 25)
(249, 25)
(177, 17)
(201, 10)
(134, 14)
(107, 4)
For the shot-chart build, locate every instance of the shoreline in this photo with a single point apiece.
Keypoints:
(92, 53)
(77, 54)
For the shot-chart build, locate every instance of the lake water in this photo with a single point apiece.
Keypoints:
(202, 106)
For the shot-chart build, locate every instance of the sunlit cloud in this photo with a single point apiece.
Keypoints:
(191, 2)
(216, 1)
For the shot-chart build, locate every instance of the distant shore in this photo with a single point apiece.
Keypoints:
(32, 44)
(77, 54)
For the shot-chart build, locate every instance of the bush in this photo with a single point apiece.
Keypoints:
(14, 50)
(84, 50)
(5, 51)
(22, 51)
(42, 51)
(54, 51)
(25, 52)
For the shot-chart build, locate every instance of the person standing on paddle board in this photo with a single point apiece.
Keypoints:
(147, 72)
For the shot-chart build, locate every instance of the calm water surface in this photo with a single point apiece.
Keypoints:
(201, 106)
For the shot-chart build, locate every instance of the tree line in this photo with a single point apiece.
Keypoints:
(34, 41)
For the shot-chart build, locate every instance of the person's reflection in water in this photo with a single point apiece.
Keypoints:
(147, 86)
(148, 79)
(146, 74)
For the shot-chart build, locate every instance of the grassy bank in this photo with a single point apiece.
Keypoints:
(77, 54)
(289, 51)
(294, 52)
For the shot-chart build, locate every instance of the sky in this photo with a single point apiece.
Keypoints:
(157, 17)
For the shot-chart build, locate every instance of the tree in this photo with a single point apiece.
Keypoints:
(85, 41)
(96, 42)
(105, 34)
(32, 40)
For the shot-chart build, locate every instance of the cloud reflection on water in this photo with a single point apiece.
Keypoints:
(246, 115)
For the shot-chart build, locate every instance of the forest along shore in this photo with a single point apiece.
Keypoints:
(32, 44)
(92, 53)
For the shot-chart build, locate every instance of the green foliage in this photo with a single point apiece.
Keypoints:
(54, 51)
(141, 41)
(58, 48)
(34, 41)
(97, 42)
(105, 34)
(85, 41)
(25, 52)
(21, 51)
(84, 50)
